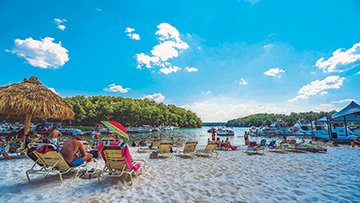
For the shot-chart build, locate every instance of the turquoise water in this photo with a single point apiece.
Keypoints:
(186, 134)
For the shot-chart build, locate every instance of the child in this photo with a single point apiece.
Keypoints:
(2, 150)
(96, 139)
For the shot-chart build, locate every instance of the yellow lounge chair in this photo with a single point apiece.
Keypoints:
(208, 151)
(329, 144)
(116, 165)
(164, 150)
(50, 162)
(153, 146)
(189, 149)
(178, 143)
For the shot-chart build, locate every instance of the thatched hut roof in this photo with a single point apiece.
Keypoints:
(30, 97)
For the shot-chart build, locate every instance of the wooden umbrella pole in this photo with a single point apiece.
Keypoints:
(27, 124)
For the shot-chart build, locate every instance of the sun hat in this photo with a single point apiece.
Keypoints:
(77, 132)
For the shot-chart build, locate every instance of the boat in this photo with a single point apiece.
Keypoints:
(211, 129)
(302, 127)
(354, 129)
(225, 132)
(280, 127)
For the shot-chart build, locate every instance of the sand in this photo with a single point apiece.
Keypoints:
(232, 177)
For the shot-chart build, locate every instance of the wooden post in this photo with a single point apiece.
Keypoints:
(27, 124)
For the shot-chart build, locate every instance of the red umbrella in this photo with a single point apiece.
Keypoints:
(116, 127)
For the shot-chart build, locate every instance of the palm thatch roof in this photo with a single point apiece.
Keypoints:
(30, 97)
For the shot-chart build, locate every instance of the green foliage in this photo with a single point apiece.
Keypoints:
(267, 119)
(129, 112)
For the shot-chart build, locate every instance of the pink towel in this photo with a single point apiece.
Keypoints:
(124, 152)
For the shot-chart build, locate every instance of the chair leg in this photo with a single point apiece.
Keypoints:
(27, 175)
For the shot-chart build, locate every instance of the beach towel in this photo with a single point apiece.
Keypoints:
(124, 152)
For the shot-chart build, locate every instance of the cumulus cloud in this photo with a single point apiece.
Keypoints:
(43, 54)
(242, 81)
(192, 69)
(116, 88)
(170, 70)
(274, 72)
(132, 35)
(319, 86)
(331, 106)
(53, 90)
(158, 97)
(59, 23)
(341, 60)
(170, 46)
(268, 46)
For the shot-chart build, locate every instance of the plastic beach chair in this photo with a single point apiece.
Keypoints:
(189, 149)
(164, 150)
(50, 160)
(153, 146)
(118, 160)
(208, 151)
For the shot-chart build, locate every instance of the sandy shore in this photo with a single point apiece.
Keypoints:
(232, 177)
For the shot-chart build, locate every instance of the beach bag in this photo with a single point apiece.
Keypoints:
(93, 173)
(95, 153)
(153, 155)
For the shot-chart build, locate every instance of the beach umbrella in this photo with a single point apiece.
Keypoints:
(116, 127)
(33, 100)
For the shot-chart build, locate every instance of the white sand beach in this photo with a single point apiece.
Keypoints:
(232, 177)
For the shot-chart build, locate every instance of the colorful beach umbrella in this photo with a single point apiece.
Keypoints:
(116, 127)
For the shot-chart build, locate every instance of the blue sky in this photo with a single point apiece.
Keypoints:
(220, 59)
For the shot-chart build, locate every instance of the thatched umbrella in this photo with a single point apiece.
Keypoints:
(33, 100)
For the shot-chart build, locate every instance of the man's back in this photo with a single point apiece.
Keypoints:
(70, 148)
(54, 134)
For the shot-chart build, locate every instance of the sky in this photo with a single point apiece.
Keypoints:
(220, 59)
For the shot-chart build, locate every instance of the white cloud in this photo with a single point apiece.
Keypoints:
(169, 48)
(170, 70)
(224, 109)
(59, 25)
(116, 88)
(274, 72)
(43, 54)
(132, 35)
(208, 92)
(344, 100)
(323, 93)
(158, 97)
(318, 86)
(98, 9)
(242, 81)
(268, 46)
(358, 73)
(53, 90)
(331, 106)
(341, 60)
(192, 69)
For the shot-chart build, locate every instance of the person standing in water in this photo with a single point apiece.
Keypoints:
(213, 135)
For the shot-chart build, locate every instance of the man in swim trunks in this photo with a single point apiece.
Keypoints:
(96, 138)
(72, 146)
(54, 135)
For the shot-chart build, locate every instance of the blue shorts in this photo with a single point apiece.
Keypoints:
(2, 148)
(77, 162)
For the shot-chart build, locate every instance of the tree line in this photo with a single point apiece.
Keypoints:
(268, 119)
(126, 111)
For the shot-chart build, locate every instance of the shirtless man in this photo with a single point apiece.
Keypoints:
(54, 135)
(96, 138)
(72, 146)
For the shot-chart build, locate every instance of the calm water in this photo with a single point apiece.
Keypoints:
(186, 134)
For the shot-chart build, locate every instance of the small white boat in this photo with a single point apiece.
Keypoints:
(225, 132)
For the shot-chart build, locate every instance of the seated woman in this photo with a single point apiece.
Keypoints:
(142, 142)
(247, 141)
(284, 141)
(2, 150)
(228, 145)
